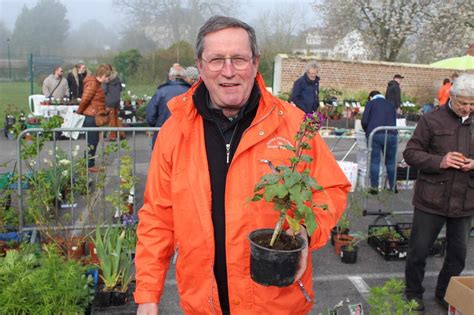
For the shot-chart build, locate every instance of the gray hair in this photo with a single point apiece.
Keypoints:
(311, 65)
(463, 85)
(176, 72)
(192, 72)
(217, 23)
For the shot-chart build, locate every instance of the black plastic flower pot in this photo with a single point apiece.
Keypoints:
(102, 299)
(349, 256)
(118, 298)
(271, 267)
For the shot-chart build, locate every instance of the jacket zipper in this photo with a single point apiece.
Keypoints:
(176, 253)
(228, 145)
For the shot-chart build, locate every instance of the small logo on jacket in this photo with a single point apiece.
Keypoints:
(277, 143)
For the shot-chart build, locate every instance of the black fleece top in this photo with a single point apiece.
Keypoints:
(222, 136)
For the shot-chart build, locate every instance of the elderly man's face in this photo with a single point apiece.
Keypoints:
(229, 87)
(312, 73)
(462, 105)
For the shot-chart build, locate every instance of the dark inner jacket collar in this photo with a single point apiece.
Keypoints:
(202, 102)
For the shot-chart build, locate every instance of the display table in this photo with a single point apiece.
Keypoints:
(48, 111)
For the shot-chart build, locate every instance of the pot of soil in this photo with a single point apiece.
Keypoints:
(349, 255)
(118, 298)
(102, 298)
(341, 240)
(275, 266)
(334, 233)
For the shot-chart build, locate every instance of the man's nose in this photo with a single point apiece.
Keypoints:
(228, 69)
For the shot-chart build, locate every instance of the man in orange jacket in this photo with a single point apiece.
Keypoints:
(202, 173)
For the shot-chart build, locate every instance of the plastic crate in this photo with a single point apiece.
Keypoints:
(439, 246)
(388, 249)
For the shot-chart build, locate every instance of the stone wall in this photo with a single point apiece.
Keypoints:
(421, 81)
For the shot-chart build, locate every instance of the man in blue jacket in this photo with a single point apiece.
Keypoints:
(381, 112)
(157, 111)
(305, 93)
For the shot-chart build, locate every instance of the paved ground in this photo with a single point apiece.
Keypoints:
(333, 280)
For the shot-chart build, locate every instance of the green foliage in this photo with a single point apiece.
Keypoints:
(327, 93)
(42, 283)
(288, 188)
(127, 62)
(389, 299)
(114, 261)
(40, 29)
(343, 224)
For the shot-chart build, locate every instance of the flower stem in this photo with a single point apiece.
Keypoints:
(277, 230)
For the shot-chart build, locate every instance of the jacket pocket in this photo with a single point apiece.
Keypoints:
(444, 140)
(432, 191)
(469, 200)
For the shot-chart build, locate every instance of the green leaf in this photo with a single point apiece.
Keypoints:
(271, 178)
(270, 192)
(293, 223)
(282, 191)
(292, 179)
(289, 147)
(306, 158)
(257, 197)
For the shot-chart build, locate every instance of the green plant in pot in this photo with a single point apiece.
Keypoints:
(275, 255)
(342, 227)
(349, 251)
(114, 264)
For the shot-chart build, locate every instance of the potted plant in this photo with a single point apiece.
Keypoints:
(275, 255)
(115, 266)
(349, 251)
(342, 227)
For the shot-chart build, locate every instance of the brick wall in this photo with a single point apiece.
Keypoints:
(421, 81)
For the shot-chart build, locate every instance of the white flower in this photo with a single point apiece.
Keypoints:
(64, 162)
(74, 153)
(64, 173)
(32, 163)
(50, 152)
(77, 147)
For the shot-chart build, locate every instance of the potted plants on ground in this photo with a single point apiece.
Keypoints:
(342, 227)
(275, 255)
(115, 266)
(349, 251)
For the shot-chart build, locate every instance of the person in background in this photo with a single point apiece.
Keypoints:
(305, 92)
(157, 111)
(394, 93)
(443, 92)
(380, 112)
(191, 75)
(442, 149)
(113, 88)
(93, 101)
(204, 168)
(55, 85)
(75, 80)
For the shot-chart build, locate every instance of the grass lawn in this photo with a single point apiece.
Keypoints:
(16, 93)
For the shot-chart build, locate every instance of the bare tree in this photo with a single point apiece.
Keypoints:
(390, 25)
(169, 21)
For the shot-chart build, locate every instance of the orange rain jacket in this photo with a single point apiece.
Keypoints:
(443, 94)
(176, 214)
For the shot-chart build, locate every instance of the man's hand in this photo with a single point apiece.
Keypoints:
(147, 309)
(304, 253)
(453, 159)
(468, 165)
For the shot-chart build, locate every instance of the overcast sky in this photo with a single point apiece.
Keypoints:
(80, 11)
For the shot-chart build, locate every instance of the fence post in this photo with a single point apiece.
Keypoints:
(30, 63)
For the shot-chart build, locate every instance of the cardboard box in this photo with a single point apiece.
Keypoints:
(460, 295)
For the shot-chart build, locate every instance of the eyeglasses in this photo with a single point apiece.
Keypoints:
(462, 103)
(216, 64)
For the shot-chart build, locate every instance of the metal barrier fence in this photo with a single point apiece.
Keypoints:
(403, 135)
(81, 199)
